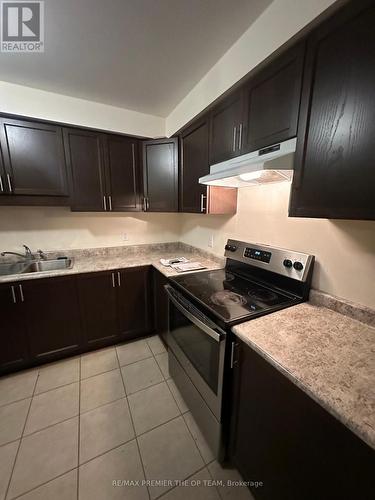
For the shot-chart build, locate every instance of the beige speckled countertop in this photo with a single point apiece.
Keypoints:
(105, 259)
(329, 355)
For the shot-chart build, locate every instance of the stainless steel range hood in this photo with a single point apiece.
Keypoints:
(267, 165)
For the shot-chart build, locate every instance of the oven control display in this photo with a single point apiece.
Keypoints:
(255, 254)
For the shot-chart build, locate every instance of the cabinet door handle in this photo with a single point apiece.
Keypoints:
(118, 278)
(234, 138)
(144, 204)
(104, 204)
(133, 155)
(113, 280)
(148, 203)
(9, 183)
(240, 136)
(232, 360)
(21, 293)
(14, 295)
(1, 184)
(203, 209)
(110, 202)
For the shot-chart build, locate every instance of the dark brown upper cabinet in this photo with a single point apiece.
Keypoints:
(33, 156)
(160, 175)
(3, 186)
(122, 176)
(195, 197)
(85, 160)
(271, 102)
(335, 159)
(226, 128)
(103, 171)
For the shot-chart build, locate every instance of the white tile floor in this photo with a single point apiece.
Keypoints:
(69, 429)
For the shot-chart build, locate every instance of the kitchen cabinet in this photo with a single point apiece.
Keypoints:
(33, 160)
(85, 159)
(160, 304)
(195, 197)
(2, 174)
(226, 128)
(98, 299)
(122, 176)
(334, 164)
(14, 349)
(134, 306)
(103, 171)
(160, 175)
(271, 102)
(53, 318)
(280, 436)
(115, 305)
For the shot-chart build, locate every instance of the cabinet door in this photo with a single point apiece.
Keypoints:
(194, 164)
(3, 183)
(122, 173)
(334, 165)
(134, 301)
(14, 351)
(98, 299)
(34, 158)
(160, 175)
(52, 310)
(272, 99)
(160, 304)
(281, 437)
(225, 129)
(84, 154)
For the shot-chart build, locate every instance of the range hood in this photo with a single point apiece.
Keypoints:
(267, 165)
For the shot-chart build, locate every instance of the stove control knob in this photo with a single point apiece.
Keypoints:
(298, 266)
(231, 248)
(288, 263)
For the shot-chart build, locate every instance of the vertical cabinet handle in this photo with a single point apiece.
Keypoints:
(118, 278)
(113, 280)
(14, 295)
(203, 209)
(110, 202)
(240, 136)
(232, 360)
(148, 203)
(21, 293)
(1, 184)
(234, 138)
(104, 204)
(9, 183)
(133, 155)
(144, 204)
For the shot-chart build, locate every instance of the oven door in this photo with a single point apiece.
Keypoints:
(199, 346)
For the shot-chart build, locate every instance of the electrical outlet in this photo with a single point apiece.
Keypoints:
(125, 237)
(211, 241)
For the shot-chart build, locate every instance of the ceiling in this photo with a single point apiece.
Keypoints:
(144, 55)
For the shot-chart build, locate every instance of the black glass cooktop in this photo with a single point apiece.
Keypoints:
(231, 297)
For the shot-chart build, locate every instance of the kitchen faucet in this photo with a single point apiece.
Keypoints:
(28, 254)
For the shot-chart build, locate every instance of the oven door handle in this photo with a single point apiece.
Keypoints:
(212, 333)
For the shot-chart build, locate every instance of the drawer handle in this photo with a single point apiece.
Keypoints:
(9, 183)
(21, 293)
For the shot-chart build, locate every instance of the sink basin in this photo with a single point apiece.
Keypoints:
(40, 266)
(12, 268)
(36, 266)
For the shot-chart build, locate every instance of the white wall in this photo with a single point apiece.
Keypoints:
(275, 26)
(58, 228)
(21, 100)
(344, 250)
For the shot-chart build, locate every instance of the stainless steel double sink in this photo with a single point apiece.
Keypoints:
(35, 266)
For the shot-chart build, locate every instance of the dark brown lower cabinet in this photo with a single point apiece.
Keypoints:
(135, 312)
(53, 317)
(160, 304)
(280, 436)
(98, 299)
(14, 349)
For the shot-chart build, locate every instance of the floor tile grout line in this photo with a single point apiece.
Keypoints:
(135, 435)
(79, 425)
(184, 479)
(43, 484)
(21, 437)
(191, 434)
(50, 425)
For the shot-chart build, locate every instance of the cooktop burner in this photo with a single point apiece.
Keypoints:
(232, 297)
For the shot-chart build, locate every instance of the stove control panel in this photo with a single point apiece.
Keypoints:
(254, 253)
(288, 263)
